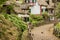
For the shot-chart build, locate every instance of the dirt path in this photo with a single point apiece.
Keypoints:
(43, 33)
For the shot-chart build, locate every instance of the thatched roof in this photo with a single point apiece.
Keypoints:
(42, 2)
(17, 3)
(51, 6)
(22, 6)
(19, 10)
(18, 7)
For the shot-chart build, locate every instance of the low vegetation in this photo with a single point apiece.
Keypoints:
(36, 20)
(57, 26)
(45, 16)
(57, 30)
(13, 26)
(7, 30)
(58, 10)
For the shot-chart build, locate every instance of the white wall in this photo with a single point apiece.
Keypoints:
(35, 9)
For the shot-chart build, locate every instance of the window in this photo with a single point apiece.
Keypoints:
(26, 19)
(52, 11)
(46, 10)
(30, 1)
(34, 1)
(26, 1)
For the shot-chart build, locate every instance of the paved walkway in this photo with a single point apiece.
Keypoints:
(44, 32)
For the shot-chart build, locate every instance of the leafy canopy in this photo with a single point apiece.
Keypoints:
(2, 1)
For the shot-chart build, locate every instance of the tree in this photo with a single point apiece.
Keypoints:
(2, 1)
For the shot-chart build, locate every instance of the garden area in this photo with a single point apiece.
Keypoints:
(13, 27)
(38, 20)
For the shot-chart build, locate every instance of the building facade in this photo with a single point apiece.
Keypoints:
(37, 7)
(41, 6)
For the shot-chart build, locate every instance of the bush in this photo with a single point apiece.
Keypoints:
(57, 30)
(25, 35)
(7, 9)
(36, 19)
(18, 22)
(2, 1)
(7, 30)
(58, 10)
(45, 15)
(58, 26)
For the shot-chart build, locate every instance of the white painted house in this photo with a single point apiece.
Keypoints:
(35, 9)
(36, 6)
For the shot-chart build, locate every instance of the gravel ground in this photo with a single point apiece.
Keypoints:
(44, 32)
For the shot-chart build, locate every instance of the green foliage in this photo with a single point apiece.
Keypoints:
(58, 10)
(18, 22)
(7, 29)
(57, 30)
(45, 15)
(2, 1)
(58, 26)
(36, 19)
(25, 35)
(8, 8)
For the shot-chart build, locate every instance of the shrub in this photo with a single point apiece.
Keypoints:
(58, 10)
(7, 30)
(7, 9)
(57, 30)
(25, 35)
(2, 1)
(45, 15)
(18, 22)
(36, 19)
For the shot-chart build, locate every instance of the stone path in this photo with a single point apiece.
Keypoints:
(44, 32)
